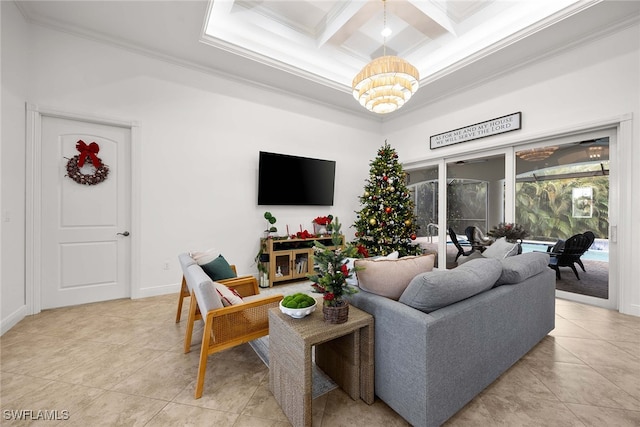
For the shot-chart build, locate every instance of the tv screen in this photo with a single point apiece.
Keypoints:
(292, 180)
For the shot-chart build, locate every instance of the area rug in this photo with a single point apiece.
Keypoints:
(321, 382)
(594, 282)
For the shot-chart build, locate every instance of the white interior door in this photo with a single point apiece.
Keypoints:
(85, 251)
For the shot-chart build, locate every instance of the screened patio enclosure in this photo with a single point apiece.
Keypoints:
(559, 191)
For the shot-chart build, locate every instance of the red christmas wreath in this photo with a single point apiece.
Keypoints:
(87, 153)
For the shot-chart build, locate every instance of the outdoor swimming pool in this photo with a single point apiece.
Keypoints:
(591, 254)
(599, 254)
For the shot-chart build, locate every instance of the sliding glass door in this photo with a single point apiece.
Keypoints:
(475, 197)
(562, 190)
(554, 189)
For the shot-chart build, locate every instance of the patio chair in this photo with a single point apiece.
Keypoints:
(469, 232)
(569, 255)
(477, 239)
(591, 238)
(461, 251)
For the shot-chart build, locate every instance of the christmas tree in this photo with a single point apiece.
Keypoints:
(386, 222)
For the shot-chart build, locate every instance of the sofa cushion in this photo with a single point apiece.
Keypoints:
(436, 289)
(518, 268)
(185, 261)
(202, 286)
(465, 258)
(353, 280)
(390, 277)
(219, 269)
(501, 249)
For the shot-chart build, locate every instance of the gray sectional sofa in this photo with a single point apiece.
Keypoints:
(452, 333)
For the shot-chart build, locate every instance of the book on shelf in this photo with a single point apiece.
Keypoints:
(301, 266)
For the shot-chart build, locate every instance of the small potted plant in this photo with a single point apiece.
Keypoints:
(332, 273)
(510, 231)
(262, 262)
(322, 224)
(271, 229)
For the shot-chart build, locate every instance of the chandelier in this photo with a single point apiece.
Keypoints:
(536, 154)
(595, 153)
(386, 83)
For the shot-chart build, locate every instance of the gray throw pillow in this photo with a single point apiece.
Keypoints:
(501, 249)
(436, 289)
(516, 269)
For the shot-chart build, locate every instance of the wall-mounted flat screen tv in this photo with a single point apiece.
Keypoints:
(293, 180)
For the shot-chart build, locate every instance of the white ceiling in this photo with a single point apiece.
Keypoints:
(314, 48)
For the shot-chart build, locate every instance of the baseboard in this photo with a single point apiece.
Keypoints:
(13, 319)
(632, 309)
(155, 291)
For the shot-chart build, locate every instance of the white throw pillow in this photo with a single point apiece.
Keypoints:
(205, 257)
(353, 280)
(392, 255)
(501, 249)
(228, 296)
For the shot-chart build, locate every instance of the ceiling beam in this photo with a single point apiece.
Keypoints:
(436, 14)
(336, 23)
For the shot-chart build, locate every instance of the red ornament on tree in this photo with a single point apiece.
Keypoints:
(413, 237)
(385, 177)
(387, 209)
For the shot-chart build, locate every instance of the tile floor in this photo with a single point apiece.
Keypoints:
(121, 363)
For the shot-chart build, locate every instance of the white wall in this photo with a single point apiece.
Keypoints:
(199, 141)
(15, 72)
(577, 89)
(200, 137)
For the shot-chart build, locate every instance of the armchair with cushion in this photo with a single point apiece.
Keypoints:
(229, 320)
(219, 268)
(568, 253)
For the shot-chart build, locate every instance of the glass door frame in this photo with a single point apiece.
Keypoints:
(614, 185)
(509, 153)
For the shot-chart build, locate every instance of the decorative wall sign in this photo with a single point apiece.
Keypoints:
(479, 130)
(87, 159)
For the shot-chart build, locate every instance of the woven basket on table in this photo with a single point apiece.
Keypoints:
(336, 314)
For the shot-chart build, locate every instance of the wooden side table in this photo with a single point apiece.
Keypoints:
(344, 352)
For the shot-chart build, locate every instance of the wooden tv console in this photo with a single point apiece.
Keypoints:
(291, 259)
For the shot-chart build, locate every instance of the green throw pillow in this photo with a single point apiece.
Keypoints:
(218, 269)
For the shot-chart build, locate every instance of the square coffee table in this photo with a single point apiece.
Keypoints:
(343, 351)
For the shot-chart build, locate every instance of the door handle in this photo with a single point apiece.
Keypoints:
(125, 234)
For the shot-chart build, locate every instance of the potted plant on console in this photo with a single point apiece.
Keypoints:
(331, 276)
(271, 229)
(322, 225)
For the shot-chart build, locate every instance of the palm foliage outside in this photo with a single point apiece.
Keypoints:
(545, 208)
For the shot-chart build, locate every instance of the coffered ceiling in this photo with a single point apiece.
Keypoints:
(313, 49)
